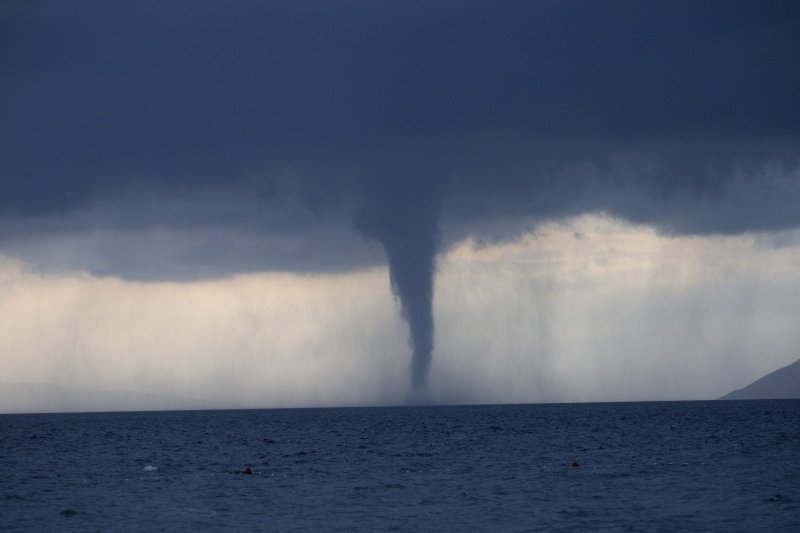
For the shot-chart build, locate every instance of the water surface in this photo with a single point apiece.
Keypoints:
(643, 467)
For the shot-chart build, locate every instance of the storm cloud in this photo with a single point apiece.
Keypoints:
(204, 139)
(323, 100)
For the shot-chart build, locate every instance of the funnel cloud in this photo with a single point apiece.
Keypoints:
(404, 218)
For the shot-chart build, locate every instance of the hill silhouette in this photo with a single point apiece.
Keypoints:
(780, 384)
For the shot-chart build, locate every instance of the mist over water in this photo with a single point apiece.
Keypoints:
(620, 313)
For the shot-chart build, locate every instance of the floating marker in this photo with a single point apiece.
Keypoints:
(247, 470)
(575, 464)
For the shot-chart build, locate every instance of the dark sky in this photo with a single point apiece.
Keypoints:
(122, 116)
(187, 140)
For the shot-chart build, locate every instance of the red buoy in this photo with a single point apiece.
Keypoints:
(575, 464)
(247, 470)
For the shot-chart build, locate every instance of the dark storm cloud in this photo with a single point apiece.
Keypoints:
(97, 94)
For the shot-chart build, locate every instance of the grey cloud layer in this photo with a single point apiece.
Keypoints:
(681, 114)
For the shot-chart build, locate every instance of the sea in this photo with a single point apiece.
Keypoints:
(658, 466)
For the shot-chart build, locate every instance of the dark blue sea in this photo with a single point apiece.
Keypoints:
(672, 466)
